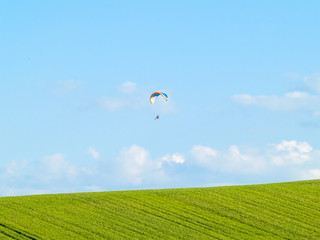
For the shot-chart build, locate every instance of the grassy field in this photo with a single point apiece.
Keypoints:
(271, 211)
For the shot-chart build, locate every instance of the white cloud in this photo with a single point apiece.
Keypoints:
(291, 152)
(136, 164)
(204, 155)
(94, 153)
(244, 162)
(310, 174)
(127, 87)
(302, 147)
(138, 167)
(174, 158)
(56, 166)
(230, 161)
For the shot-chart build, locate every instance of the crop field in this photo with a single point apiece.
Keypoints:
(270, 211)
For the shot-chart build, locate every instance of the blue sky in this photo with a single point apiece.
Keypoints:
(243, 79)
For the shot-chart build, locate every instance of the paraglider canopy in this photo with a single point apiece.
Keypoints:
(155, 95)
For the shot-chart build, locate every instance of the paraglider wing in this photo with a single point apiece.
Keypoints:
(154, 96)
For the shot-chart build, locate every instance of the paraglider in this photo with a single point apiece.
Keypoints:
(154, 96)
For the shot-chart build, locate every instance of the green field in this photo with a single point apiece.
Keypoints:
(270, 211)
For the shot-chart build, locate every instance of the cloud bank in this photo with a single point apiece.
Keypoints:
(136, 168)
(255, 161)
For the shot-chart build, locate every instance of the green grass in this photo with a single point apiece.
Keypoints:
(270, 211)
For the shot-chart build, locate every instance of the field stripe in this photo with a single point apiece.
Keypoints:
(202, 224)
(16, 231)
(230, 223)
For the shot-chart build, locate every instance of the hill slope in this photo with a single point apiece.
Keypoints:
(271, 211)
